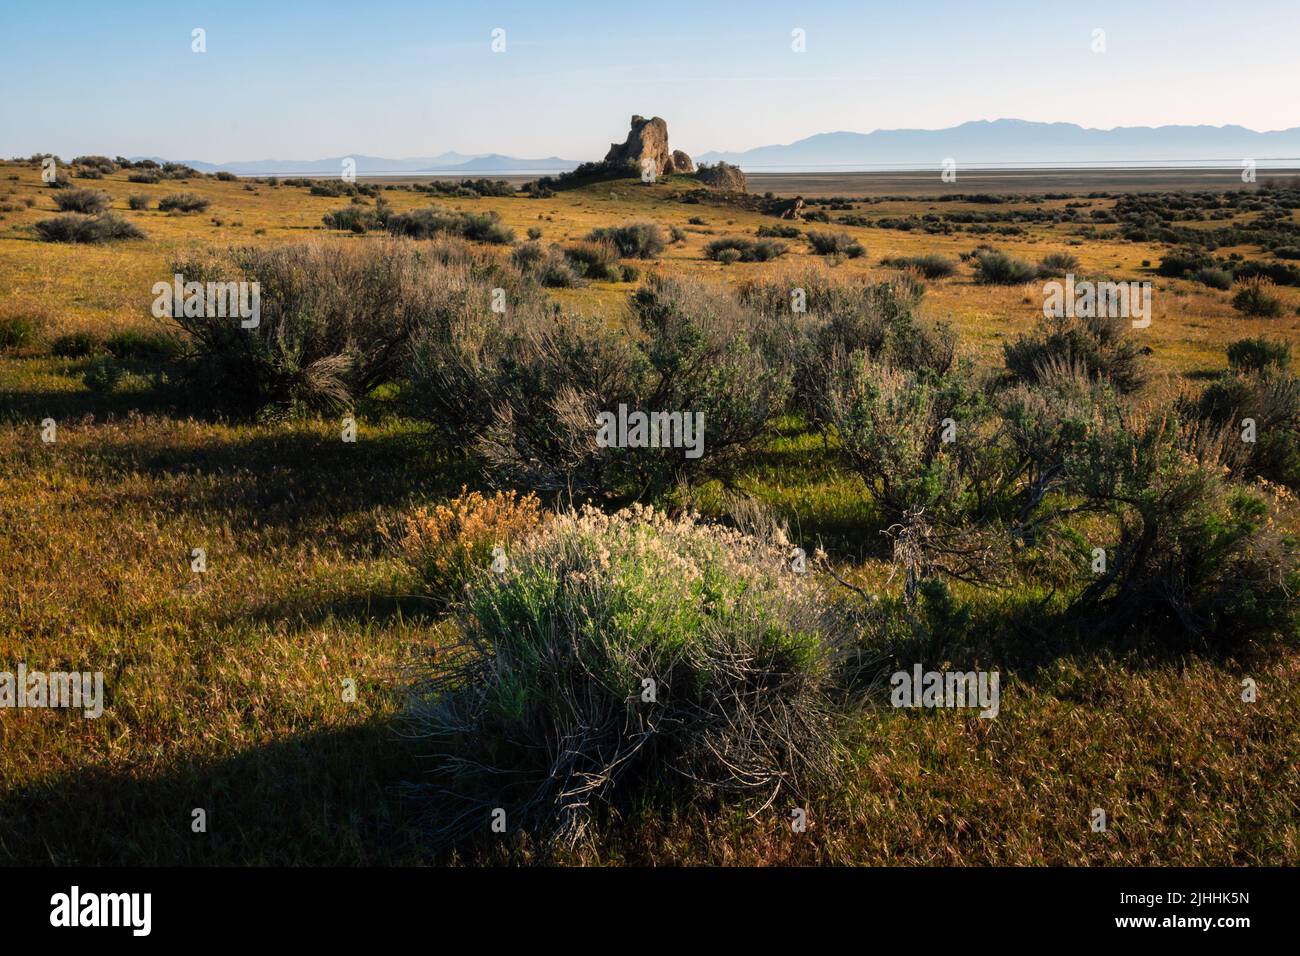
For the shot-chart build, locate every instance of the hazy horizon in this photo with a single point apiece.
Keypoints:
(305, 81)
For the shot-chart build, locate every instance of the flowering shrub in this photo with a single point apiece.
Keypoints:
(636, 652)
(449, 542)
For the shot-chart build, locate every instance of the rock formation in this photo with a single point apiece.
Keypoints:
(722, 176)
(648, 141)
(794, 210)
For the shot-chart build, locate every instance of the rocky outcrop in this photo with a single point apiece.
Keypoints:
(722, 176)
(646, 144)
(681, 163)
(794, 210)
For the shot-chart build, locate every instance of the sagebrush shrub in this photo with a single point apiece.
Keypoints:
(183, 202)
(1100, 344)
(993, 267)
(430, 223)
(846, 316)
(746, 250)
(1057, 264)
(92, 202)
(597, 261)
(1256, 298)
(1196, 557)
(358, 218)
(835, 244)
(634, 240)
(336, 320)
(1258, 354)
(632, 656)
(79, 228)
(932, 266)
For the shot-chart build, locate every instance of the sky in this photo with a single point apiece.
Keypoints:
(308, 80)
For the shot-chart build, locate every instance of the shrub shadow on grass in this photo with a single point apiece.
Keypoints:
(322, 798)
(301, 480)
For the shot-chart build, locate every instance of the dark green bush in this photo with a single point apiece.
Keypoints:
(1057, 264)
(430, 223)
(931, 266)
(183, 202)
(835, 244)
(746, 250)
(74, 227)
(76, 345)
(993, 267)
(634, 240)
(1256, 298)
(91, 202)
(1259, 354)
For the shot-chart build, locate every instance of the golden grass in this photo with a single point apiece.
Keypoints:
(226, 688)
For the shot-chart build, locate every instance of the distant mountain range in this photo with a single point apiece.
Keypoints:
(1012, 141)
(449, 163)
(1006, 142)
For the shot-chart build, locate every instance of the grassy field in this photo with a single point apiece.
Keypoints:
(225, 689)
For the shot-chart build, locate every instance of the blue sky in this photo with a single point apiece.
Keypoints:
(303, 80)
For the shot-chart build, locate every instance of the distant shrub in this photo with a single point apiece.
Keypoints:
(543, 698)
(183, 202)
(1182, 262)
(1101, 346)
(17, 331)
(138, 201)
(534, 233)
(103, 375)
(448, 544)
(1279, 273)
(1057, 264)
(76, 344)
(1215, 278)
(728, 256)
(556, 272)
(226, 177)
(358, 218)
(635, 240)
(143, 345)
(778, 232)
(597, 261)
(677, 233)
(747, 250)
(89, 201)
(993, 267)
(1258, 354)
(429, 223)
(144, 176)
(528, 256)
(931, 266)
(835, 244)
(1256, 298)
(75, 227)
